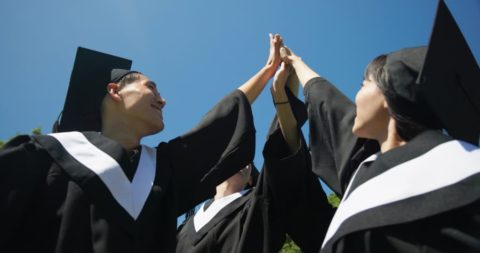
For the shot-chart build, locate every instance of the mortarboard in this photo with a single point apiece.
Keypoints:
(91, 73)
(450, 79)
(438, 85)
(402, 93)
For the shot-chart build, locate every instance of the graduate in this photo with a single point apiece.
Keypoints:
(406, 185)
(100, 190)
(244, 219)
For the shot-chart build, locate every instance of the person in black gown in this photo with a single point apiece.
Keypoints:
(241, 219)
(405, 185)
(101, 190)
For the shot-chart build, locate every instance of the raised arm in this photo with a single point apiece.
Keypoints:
(335, 151)
(303, 71)
(223, 142)
(286, 119)
(256, 83)
(295, 191)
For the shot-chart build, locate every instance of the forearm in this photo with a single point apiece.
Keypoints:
(254, 86)
(286, 119)
(304, 72)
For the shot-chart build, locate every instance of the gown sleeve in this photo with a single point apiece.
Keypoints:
(222, 144)
(265, 225)
(23, 168)
(335, 151)
(296, 191)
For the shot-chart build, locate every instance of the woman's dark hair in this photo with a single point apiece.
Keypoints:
(406, 126)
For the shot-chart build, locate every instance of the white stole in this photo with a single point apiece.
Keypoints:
(444, 165)
(130, 195)
(202, 217)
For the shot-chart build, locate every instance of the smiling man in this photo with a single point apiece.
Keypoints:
(100, 190)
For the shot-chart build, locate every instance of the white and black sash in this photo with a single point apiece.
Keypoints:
(433, 182)
(79, 157)
(202, 216)
(205, 221)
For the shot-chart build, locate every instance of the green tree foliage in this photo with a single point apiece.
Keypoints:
(290, 247)
(36, 130)
(333, 199)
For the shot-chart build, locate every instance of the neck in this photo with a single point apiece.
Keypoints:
(227, 188)
(391, 139)
(122, 134)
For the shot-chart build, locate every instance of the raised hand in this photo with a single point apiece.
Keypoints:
(287, 55)
(256, 83)
(274, 58)
(280, 78)
(303, 71)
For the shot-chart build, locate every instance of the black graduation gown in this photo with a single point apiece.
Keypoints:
(256, 221)
(51, 202)
(300, 199)
(392, 205)
(238, 227)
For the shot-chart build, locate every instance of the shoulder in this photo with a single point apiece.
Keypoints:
(20, 144)
(17, 141)
(23, 155)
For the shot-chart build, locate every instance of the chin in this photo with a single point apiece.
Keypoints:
(159, 128)
(154, 129)
(357, 131)
(355, 127)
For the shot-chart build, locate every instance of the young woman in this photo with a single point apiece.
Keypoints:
(405, 185)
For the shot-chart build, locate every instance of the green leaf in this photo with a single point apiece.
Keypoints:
(333, 200)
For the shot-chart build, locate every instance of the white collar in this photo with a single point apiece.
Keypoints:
(202, 217)
(130, 195)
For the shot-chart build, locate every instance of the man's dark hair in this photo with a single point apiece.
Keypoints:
(130, 78)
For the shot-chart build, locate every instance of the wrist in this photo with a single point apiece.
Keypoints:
(286, 102)
(294, 59)
(270, 68)
(278, 94)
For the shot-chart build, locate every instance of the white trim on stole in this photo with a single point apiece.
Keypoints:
(130, 195)
(444, 165)
(202, 217)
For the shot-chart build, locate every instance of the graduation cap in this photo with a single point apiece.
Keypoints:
(439, 85)
(91, 73)
(450, 79)
(404, 96)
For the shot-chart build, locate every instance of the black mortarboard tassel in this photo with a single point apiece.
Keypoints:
(91, 73)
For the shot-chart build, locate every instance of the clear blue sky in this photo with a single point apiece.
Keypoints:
(198, 51)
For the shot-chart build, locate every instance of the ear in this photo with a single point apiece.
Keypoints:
(112, 91)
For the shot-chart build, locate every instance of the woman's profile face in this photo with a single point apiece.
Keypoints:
(372, 116)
